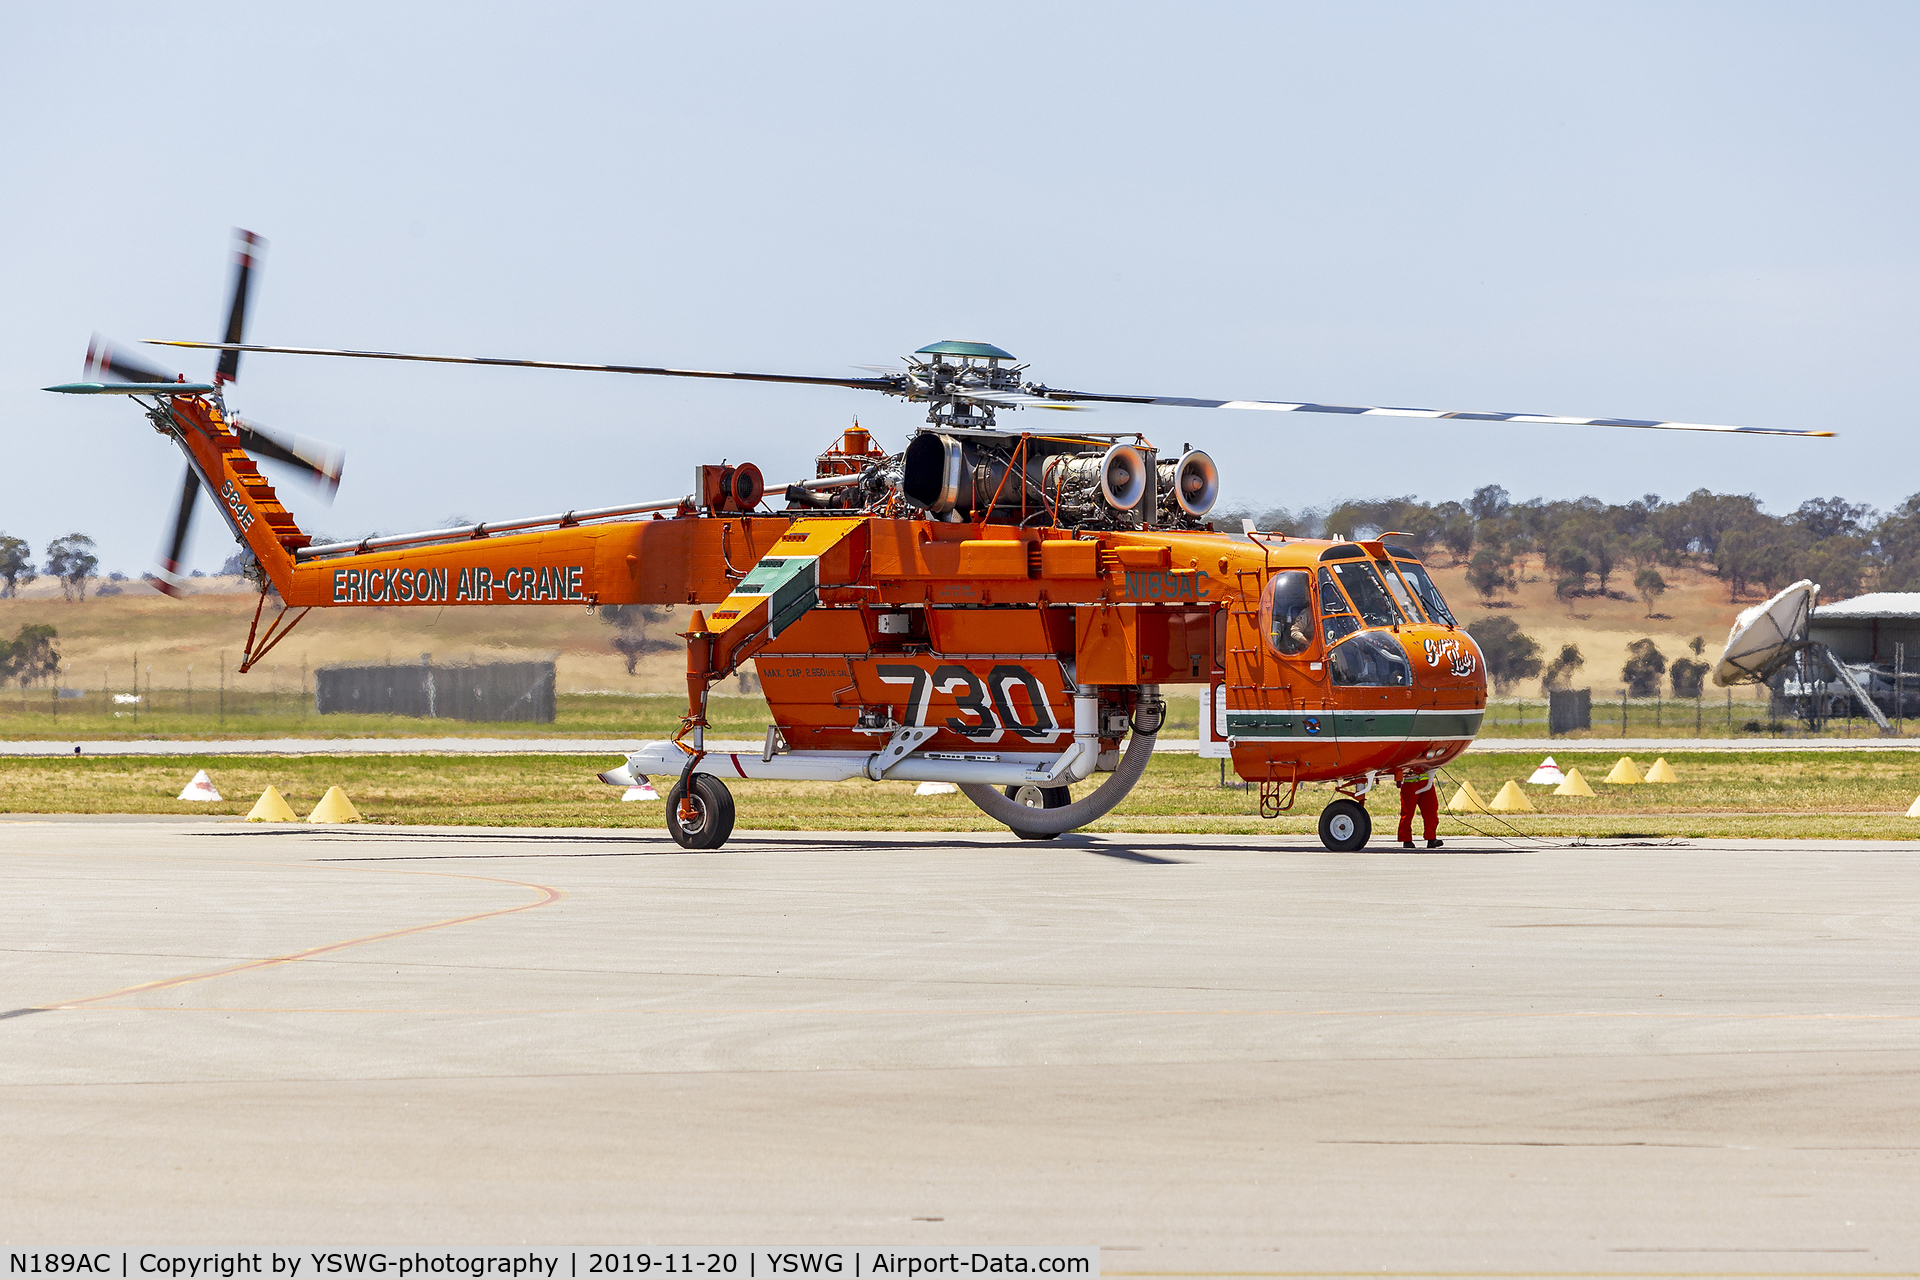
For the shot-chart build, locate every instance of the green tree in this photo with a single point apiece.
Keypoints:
(1651, 587)
(1562, 669)
(1644, 666)
(1897, 537)
(1511, 655)
(1489, 502)
(1687, 676)
(1567, 588)
(1491, 571)
(30, 655)
(16, 570)
(630, 623)
(1568, 558)
(71, 560)
(1456, 532)
(1698, 644)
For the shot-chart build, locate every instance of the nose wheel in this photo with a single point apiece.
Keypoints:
(1345, 826)
(705, 820)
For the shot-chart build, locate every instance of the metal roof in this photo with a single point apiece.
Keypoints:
(1875, 604)
(983, 350)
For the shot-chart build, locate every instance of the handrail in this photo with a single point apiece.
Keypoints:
(482, 529)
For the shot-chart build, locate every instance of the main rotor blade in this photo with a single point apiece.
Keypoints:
(247, 248)
(321, 461)
(170, 577)
(1282, 406)
(1010, 399)
(109, 363)
(861, 384)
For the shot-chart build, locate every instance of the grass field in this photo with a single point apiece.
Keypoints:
(1765, 794)
(209, 715)
(576, 715)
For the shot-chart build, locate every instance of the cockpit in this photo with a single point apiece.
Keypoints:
(1361, 600)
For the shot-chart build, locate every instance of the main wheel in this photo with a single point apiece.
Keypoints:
(1345, 826)
(710, 821)
(1038, 798)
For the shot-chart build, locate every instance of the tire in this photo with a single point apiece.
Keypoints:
(713, 821)
(1345, 826)
(1037, 798)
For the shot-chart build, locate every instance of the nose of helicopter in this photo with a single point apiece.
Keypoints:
(1446, 658)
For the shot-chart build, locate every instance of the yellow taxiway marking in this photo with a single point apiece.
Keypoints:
(544, 894)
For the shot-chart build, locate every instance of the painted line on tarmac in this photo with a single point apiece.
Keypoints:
(545, 894)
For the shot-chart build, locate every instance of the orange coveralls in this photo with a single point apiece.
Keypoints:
(1417, 792)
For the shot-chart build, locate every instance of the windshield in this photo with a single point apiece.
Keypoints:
(1401, 596)
(1337, 621)
(1423, 586)
(1291, 629)
(1370, 658)
(1368, 596)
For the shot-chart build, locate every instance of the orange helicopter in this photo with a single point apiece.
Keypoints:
(991, 608)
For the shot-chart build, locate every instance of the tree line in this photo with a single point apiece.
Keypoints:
(1589, 547)
(1512, 656)
(69, 559)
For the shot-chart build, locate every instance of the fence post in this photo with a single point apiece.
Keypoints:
(1899, 687)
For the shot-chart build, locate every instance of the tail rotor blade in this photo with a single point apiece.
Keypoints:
(323, 462)
(170, 559)
(109, 363)
(247, 250)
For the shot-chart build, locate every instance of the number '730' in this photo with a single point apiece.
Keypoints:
(985, 707)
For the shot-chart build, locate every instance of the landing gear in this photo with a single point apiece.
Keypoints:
(1037, 798)
(1345, 826)
(709, 817)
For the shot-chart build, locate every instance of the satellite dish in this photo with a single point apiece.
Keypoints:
(1766, 636)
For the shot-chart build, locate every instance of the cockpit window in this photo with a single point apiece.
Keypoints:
(1290, 608)
(1369, 597)
(1336, 619)
(1331, 601)
(1370, 658)
(1398, 589)
(1423, 586)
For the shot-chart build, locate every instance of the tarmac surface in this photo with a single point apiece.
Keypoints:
(621, 746)
(1202, 1055)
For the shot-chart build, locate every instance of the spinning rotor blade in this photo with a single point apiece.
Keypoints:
(323, 462)
(108, 363)
(892, 383)
(1281, 406)
(1029, 396)
(169, 580)
(247, 248)
(1011, 399)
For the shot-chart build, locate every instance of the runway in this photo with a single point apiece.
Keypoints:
(621, 746)
(1219, 1055)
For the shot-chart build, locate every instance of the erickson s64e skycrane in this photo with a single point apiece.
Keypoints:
(993, 608)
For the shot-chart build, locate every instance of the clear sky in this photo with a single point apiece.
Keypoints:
(1704, 212)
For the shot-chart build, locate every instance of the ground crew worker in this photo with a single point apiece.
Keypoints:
(1417, 792)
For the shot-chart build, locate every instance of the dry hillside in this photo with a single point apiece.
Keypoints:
(1695, 604)
(99, 638)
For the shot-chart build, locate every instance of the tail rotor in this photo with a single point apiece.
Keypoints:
(312, 459)
(247, 249)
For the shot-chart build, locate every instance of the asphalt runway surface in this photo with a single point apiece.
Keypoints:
(621, 746)
(1202, 1055)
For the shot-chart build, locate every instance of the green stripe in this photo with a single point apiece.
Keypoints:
(1385, 724)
